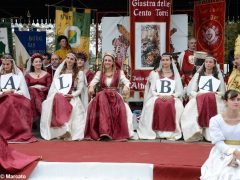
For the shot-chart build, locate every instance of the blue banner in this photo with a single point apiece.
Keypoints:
(32, 41)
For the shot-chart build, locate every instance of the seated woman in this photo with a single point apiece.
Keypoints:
(15, 106)
(38, 82)
(202, 104)
(161, 112)
(108, 116)
(81, 63)
(64, 112)
(224, 128)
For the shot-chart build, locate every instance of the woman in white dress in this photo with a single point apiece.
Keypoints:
(161, 113)
(224, 159)
(63, 116)
(202, 105)
(108, 116)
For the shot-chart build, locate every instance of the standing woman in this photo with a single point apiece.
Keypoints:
(38, 82)
(224, 128)
(161, 113)
(202, 106)
(15, 106)
(64, 115)
(81, 64)
(108, 116)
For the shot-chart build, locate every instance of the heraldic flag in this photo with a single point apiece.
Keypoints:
(27, 43)
(75, 26)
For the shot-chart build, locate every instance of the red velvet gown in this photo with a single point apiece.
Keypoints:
(38, 95)
(16, 118)
(12, 161)
(106, 114)
(164, 114)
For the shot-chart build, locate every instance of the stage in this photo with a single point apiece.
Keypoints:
(158, 160)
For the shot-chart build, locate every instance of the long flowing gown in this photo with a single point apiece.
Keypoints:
(146, 129)
(108, 114)
(38, 89)
(191, 127)
(16, 115)
(61, 116)
(217, 166)
(12, 161)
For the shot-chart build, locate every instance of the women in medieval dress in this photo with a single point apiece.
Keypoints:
(224, 128)
(64, 113)
(161, 112)
(203, 104)
(108, 116)
(38, 82)
(15, 106)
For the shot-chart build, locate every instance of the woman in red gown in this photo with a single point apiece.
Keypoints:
(15, 106)
(108, 116)
(38, 82)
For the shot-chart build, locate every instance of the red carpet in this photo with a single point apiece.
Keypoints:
(171, 160)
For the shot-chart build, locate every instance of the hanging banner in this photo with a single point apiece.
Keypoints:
(75, 26)
(27, 43)
(116, 37)
(150, 37)
(5, 38)
(209, 28)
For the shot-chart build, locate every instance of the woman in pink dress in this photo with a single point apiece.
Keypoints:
(38, 82)
(15, 105)
(108, 116)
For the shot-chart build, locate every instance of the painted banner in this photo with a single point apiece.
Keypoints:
(5, 38)
(150, 37)
(116, 34)
(27, 43)
(209, 28)
(75, 26)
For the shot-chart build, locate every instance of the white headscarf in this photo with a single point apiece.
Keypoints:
(177, 77)
(193, 84)
(84, 92)
(15, 70)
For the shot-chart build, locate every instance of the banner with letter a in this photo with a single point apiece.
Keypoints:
(150, 37)
(75, 26)
(209, 28)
